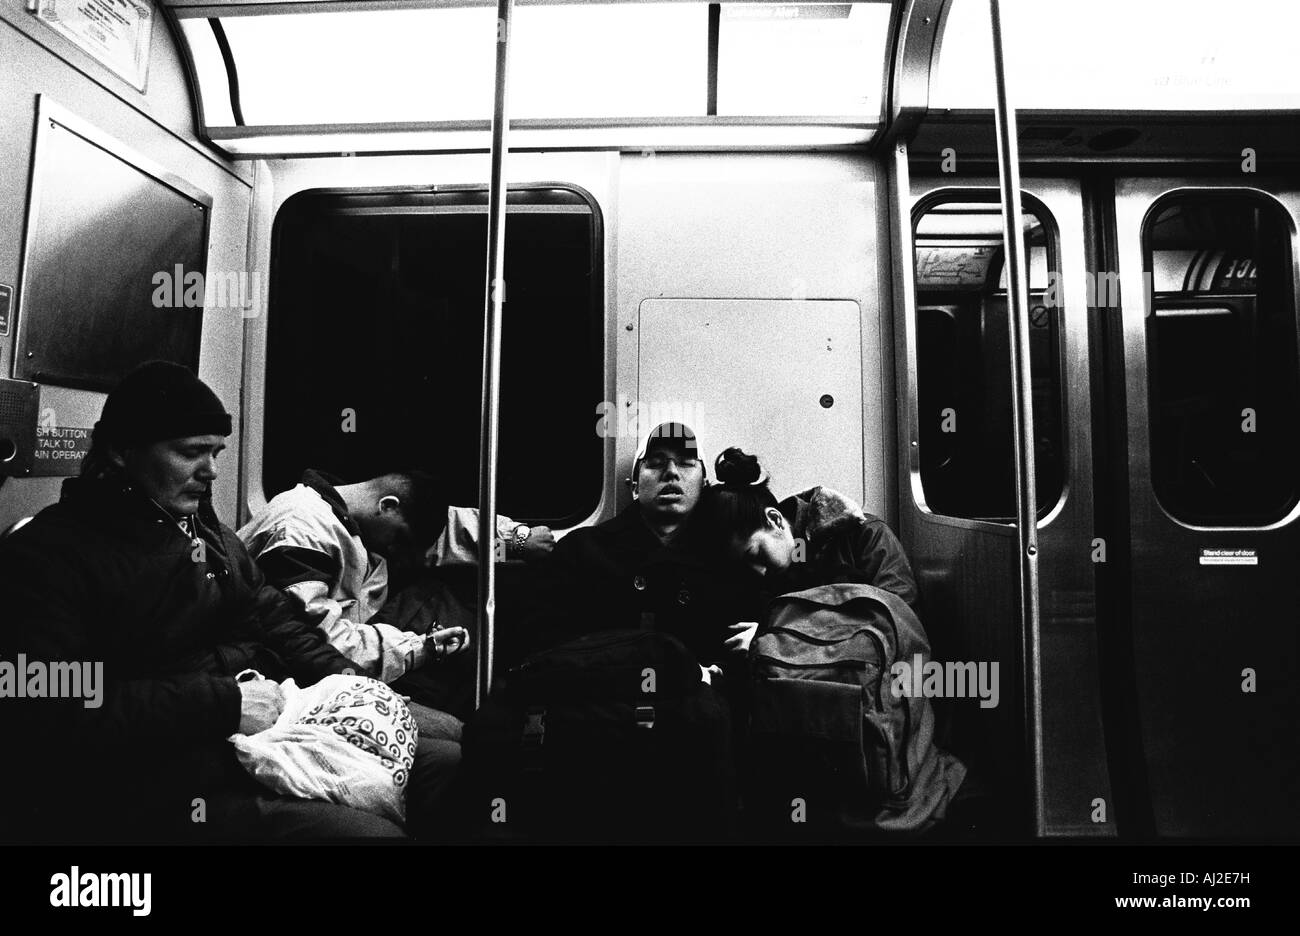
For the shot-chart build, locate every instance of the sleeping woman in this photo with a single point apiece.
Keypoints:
(816, 537)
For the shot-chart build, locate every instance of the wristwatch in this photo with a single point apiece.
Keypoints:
(517, 539)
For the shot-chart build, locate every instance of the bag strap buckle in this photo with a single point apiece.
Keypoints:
(534, 733)
(645, 716)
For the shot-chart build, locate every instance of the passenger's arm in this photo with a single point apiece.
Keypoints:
(372, 647)
(879, 556)
(563, 596)
(458, 544)
(287, 627)
(377, 648)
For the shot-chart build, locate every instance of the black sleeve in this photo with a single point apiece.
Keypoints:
(288, 565)
(562, 596)
(50, 615)
(299, 642)
(879, 555)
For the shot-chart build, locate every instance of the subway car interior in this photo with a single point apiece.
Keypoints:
(790, 221)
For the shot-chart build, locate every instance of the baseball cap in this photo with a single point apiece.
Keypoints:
(675, 436)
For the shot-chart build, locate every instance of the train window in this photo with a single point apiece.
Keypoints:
(963, 358)
(1224, 388)
(1209, 55)
(801, 59)
(379, 66)
(374, 356)
(209, 71)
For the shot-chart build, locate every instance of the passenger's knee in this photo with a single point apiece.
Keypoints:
(434, 724)
(283, 819)
(436, 755)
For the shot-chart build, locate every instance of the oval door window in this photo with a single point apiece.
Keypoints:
(1223, 386)
(963, 360)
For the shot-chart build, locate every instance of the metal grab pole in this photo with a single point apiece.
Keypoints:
(487, 471)
(1022, 401)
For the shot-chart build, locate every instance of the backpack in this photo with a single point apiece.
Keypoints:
(833, 751)
(576, 747)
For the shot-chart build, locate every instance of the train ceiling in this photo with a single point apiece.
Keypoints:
(1097, 80)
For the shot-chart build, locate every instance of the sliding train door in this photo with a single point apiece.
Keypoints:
(957, 492)
(1211, 403)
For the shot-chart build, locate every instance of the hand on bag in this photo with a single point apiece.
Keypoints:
(711, 674)
(540, 542)
(742, 634)
(447, 641)
(260, 704)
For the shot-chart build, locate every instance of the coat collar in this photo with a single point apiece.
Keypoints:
(819, 512)
(121, 506)
(325, 485)
(635, 534)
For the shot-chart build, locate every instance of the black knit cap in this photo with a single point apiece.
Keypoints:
(160, 400)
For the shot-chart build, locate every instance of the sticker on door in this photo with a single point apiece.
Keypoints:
(1229, 557)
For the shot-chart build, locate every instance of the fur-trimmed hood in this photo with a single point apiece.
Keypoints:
(821, 512)
(844, 544)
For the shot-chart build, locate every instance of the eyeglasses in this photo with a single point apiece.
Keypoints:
(659, 461)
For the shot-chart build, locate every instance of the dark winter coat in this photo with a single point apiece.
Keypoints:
(106, 575)
(841, 543)
(617, 575)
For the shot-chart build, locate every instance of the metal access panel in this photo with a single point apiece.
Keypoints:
(113, 261)
(781, 378)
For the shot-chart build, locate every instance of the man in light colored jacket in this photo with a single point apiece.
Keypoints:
(330, 545)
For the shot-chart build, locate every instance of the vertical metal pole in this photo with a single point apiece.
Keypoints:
(1022, 401)
(496, 294)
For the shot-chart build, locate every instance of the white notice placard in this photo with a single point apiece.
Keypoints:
(115, 33)
(1242, 557)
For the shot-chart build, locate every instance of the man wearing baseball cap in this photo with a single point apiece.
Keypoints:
(132, 572)
(646, 568)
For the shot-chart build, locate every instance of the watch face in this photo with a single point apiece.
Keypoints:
(523, 532)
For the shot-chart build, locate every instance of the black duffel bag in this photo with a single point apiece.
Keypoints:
(612, 737)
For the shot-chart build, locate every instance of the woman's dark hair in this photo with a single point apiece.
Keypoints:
(735, 506)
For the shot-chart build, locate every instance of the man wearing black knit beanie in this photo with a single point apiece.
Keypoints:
(132, 577)
(153, 408)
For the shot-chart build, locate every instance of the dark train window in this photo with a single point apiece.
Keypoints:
(1224, 388)
(375, 338)
(963, 356)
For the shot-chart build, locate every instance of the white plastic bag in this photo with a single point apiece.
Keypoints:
(347, 739)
